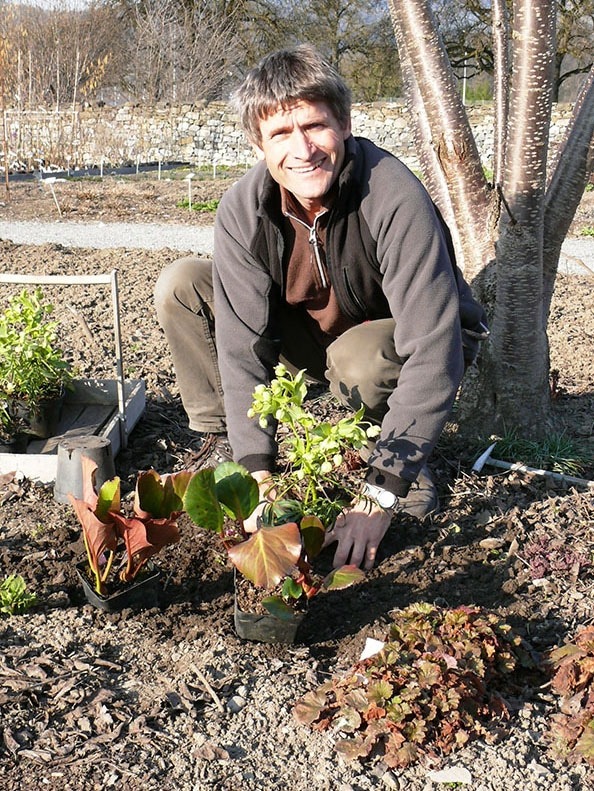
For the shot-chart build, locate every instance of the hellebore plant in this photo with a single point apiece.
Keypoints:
(111, 534)
(221, 499)
(33, 368)
(314, 450)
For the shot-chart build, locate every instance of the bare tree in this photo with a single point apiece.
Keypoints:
(180, 51)
(508, 233)
(61, 54)
(466, 27)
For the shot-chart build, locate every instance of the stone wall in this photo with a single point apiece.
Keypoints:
(201, 134)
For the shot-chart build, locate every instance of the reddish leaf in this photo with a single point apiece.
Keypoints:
(268, 555)
(310, 706)
(143, 539)
(351, 749)
(100, 540)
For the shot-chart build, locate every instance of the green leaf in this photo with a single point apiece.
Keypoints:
(380, 692)
(268, 555)
(312, 532)
(108, 499)
(279, 608)
(149, 493)
(279, 512)
(291, 589)
(158, 496)
(201, 502)
(343, 578)
(236, 489)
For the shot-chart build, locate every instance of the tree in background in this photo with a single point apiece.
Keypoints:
(61, 55)
(507, 232)
(466, 28)
(356, 38)
(180, 51)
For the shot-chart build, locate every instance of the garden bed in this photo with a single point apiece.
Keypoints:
(170, 698)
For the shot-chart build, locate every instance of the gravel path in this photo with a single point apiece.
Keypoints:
(577, 255)
(101, 235)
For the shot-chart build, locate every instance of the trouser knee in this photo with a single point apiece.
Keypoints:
(184, 284)
(363, 367)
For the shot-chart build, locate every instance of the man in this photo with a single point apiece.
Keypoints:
(329, 253)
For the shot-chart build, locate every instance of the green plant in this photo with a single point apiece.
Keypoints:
(571, 734)
(209, 205)
(588, 230)
(123, 540)
(14, 598)
(556, 452)
(221, 499)
(32, 366)
(433, 686)
(314, 450)
(293, 524)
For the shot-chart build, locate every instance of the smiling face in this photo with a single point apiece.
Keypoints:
(303, 146)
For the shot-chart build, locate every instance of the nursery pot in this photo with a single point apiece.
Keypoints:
(264, 628)
(16, 444)
(39, 419)
(141, 593)
(69, 476)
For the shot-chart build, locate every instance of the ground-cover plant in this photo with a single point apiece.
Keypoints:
(314, 449)
(207, 206)
(550, 556)
(572, 729)
(432, 687)
(14, 597)
(119, 541)
(33, 368)
(278, 554)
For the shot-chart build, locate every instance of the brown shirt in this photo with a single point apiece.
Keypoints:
(307, 281)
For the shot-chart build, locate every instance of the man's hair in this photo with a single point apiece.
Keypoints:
(286, 76)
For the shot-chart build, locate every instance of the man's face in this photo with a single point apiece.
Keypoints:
(303, 146)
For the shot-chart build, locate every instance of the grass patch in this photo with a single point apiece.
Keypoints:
(557, 453)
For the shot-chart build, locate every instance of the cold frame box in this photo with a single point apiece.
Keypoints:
(92, 407)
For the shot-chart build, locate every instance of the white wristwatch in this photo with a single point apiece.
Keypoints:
(385, 499)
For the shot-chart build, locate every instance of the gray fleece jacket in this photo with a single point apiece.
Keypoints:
(387, 256)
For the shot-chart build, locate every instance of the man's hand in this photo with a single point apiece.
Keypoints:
(267, 494)
(358, 532)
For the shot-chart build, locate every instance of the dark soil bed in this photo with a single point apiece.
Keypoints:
(170, 697)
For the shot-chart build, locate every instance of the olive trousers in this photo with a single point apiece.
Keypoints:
(360, 367)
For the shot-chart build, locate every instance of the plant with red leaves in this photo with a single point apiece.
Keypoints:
(108, 532)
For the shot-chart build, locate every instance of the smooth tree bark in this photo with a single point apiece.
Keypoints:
(508, 228)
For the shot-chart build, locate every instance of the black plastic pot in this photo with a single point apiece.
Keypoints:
(40, 419)
(16, 444)
(265, 628)
(141, 593)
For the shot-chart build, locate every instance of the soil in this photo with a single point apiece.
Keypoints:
(169, 697)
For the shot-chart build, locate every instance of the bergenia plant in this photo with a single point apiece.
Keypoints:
(127, 539)
(221, 499)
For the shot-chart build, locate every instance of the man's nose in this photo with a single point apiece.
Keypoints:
(301, 144)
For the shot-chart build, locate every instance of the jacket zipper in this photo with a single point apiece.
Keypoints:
(313, 240)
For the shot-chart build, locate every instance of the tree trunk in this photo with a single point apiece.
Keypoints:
(524, 223)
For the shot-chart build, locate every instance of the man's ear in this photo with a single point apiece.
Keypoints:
(346, 132)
